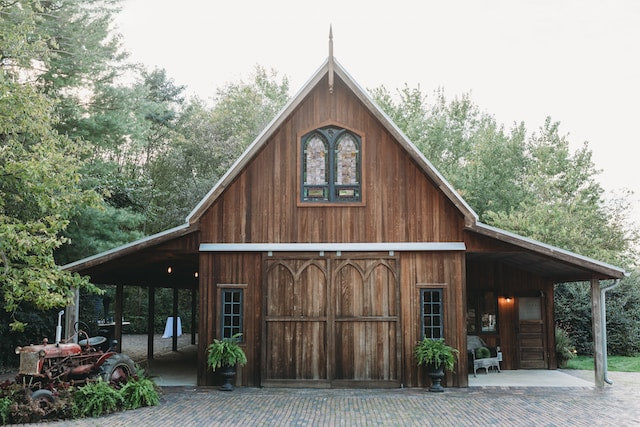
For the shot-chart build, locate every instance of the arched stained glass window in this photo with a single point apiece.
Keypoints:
(331, 166)
(316, 161)
(346, 161)
(315, 168)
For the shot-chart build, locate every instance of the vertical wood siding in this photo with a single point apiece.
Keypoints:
(508, 281)
(401, 203)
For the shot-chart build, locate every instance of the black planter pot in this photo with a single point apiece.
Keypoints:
(228, 373)
(437, 374)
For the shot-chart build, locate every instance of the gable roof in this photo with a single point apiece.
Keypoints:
(470, 216)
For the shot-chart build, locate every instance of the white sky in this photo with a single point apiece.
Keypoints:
(577, 61)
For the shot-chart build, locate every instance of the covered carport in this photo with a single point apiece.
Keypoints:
(519, 265)
(165, 260)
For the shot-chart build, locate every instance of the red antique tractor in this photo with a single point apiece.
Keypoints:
(45, 366)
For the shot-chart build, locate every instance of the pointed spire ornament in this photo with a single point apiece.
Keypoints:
(330, 58)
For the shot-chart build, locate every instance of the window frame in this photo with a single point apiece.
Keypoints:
(332, 188)
(240, 315)
(423, 315)
(477, 299)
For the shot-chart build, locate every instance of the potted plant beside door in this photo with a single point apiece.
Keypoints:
(226, 354)
(437, 357)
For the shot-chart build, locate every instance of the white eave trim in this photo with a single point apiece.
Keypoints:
(333, 247)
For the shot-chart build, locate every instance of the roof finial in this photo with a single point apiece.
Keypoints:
(330, 58)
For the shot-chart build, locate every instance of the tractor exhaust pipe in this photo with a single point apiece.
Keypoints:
(59, 327)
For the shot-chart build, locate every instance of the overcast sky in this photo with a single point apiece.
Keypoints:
(576, 61)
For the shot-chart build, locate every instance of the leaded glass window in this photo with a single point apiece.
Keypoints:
(431, 312)
(331, 166)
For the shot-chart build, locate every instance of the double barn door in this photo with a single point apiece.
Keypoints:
(331, 321)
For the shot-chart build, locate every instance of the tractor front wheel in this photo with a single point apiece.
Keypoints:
(44, 399)
(117, 369)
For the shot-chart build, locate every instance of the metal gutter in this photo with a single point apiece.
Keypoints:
(603, 317)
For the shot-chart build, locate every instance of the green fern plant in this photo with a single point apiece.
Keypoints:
(565, 350)
(5, 409)
(138, 392)
(96, 399)
(225, 353)
(436, 353)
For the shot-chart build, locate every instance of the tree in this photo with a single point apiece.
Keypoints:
(564, 203)
(38, 190)
(533, 185)
(205, 141)
(483, 162)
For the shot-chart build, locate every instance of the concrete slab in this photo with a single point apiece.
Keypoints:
(177, 368)
(527, 378)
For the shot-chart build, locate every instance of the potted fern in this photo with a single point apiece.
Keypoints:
(226, 354)
(437, 357)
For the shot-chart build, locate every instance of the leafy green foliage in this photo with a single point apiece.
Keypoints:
(482, 353)
(38, 191)
(565, 349)
(95, 399)
(225, 353)
(572, 311)
(436, 353)
(5, 409)
(139, 391)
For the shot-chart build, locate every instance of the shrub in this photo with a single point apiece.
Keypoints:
(139, 391)
(482, 353)
(565, 349)
(5, 409)
(96, 399)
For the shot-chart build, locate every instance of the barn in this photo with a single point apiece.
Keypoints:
(333, 245)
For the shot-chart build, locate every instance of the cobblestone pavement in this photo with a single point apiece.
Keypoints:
(476, 406)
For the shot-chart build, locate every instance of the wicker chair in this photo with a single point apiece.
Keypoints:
(474, 342)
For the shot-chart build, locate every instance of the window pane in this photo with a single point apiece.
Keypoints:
(315, 171)
(488, 303)
(346, 161)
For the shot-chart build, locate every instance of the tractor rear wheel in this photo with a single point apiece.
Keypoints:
(117, 369)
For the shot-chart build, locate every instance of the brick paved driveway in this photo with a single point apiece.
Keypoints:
(531, 406)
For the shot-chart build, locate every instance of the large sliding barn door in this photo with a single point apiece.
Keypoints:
(331, 322)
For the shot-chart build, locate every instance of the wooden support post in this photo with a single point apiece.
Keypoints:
(596, 316)
(151, 315)
(193, 315)
(72, 315)
(175, 320)
(117, 334)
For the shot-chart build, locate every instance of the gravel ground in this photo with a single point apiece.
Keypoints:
(135, 346)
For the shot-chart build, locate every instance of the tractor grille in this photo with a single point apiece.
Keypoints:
(29, 363)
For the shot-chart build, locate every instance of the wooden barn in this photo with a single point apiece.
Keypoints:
(333, 245)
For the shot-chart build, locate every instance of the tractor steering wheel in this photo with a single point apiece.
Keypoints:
(81, 328)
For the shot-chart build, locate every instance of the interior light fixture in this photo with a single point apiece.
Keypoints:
(169, 270)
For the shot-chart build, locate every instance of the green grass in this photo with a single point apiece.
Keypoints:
(616, 363)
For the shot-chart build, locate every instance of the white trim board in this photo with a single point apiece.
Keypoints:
(333, 247)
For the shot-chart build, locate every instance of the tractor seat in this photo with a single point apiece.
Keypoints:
(93, 341)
